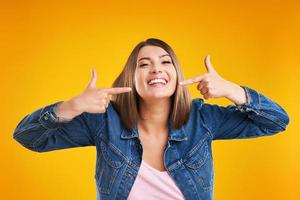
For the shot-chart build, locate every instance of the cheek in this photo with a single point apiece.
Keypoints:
(139, 81)
(173, 76)
(173, 86)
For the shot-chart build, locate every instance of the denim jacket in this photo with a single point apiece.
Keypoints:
(188, 153)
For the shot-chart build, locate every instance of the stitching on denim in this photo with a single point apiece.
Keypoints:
(99, 131)
(196, 147)
(209, 132)
(117, 163)
(37, 142)
(99, 181)
(175, 165)
(187, 160)
(98, 176)
(27, 128)
(248, 96)
(178, 163)
(272, 119)
(113, 147)
(201, 180)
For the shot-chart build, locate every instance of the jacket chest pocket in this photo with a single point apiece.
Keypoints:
(199, 163)
(109, 163)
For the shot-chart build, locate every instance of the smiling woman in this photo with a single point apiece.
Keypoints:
(152, 140)
(149, 62)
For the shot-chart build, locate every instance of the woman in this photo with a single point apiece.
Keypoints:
(152, 140)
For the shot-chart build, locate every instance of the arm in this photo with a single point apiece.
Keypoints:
(259, 116)
(41, 131)
(67, 124)
(252, 115)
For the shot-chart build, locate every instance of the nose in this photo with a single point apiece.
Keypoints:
(155, 69)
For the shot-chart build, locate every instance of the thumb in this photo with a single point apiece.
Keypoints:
(93, 80)
(208, 65)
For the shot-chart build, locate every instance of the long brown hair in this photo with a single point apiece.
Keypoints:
(127, 104)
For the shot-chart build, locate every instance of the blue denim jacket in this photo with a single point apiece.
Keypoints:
(188, 153)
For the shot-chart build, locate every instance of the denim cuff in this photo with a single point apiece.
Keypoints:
(252, 102)
(48, 118)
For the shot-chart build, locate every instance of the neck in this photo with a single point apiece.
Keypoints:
(154, 115)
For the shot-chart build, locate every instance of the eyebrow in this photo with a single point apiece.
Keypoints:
(147, 58)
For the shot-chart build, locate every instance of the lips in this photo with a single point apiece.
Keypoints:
(155, 81)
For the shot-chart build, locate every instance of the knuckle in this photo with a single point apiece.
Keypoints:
(100, 92)
(101, 95)
(105, 95)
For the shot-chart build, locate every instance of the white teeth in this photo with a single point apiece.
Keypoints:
(157, 80)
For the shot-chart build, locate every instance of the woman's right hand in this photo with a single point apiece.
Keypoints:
(91, 100)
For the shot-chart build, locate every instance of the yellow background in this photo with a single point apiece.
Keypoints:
(48, 48)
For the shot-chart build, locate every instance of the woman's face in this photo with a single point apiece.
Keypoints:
(155, 74)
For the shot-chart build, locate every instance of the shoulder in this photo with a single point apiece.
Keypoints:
(201, 107)
(197, 103)
(198, 107)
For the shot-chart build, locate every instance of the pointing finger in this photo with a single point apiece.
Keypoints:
(117, 90)
(192, 80)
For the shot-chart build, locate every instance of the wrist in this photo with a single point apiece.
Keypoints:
(67, 110)
(237, 94)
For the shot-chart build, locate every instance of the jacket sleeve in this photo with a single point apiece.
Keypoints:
(259, 116)
(41, 131)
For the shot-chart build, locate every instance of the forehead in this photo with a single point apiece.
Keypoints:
(151, 51)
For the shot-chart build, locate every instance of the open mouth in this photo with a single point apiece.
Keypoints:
(157, 82)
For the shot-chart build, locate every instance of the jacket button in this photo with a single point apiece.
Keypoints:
(129, 175)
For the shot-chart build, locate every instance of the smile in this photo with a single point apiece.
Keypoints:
(157, 82)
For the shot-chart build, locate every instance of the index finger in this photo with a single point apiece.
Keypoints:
(117, 90)
(192, 80)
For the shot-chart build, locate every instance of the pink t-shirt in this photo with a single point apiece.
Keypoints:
(153, 184)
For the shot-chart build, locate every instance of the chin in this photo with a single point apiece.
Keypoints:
(156, 93)
(157, 96)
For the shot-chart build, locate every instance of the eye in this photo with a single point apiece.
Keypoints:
(144, 64)
(166, 62)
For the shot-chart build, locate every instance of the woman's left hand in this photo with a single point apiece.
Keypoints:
(212, 85)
